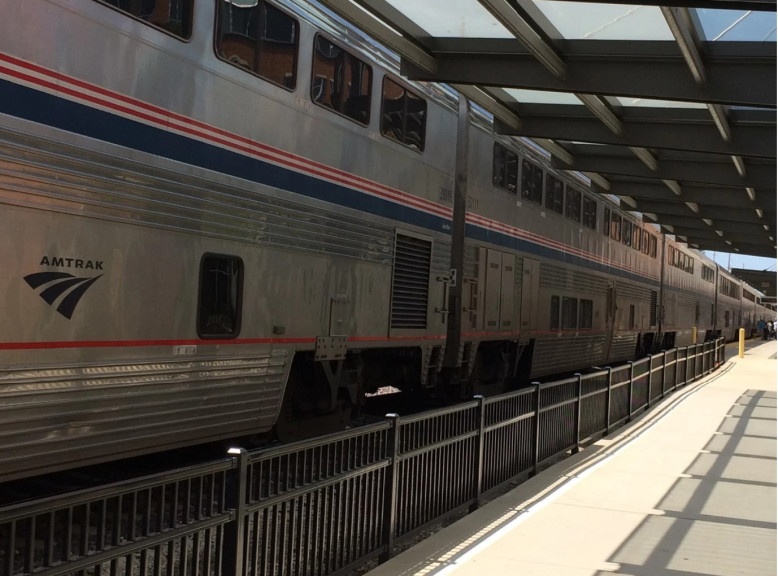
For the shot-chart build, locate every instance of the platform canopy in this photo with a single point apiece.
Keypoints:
(670, 105)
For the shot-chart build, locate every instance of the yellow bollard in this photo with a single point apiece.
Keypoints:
(694, 334)
(741, 348)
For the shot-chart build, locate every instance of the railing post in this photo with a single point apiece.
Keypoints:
(579, 386)
(390, 487)
(479, 453)
(675, 369)
(686, 367)
(664, 371)
(235, 501)
(536, 455)
(648, 384)
(608, 400)
(631, 389)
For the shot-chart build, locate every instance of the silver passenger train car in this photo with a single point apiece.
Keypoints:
(224, 216)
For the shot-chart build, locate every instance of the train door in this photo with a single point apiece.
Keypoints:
(610, 318)
(530, 292)
(508, 283)
(498, 301)
(492, 296)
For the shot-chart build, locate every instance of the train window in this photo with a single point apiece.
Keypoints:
(590, 213)
(615, 227)
(631, 316)
(531, 182)
(221, 292)
(606, 222)
(505, 168)
(626, 233)
(569, 313)
(554, 313)
(646, 247)
(670, 251)
(258, 38)
(174, 16)
(585, 314)
(403, 115)
(341, 81)
(652, 242)
(637, 237)
(573, 204)
(555, 194)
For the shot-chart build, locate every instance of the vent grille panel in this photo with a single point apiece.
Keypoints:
(410, 285)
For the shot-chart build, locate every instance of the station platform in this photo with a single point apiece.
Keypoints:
(688, 488)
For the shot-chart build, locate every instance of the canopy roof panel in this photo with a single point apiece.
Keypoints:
(669, 105)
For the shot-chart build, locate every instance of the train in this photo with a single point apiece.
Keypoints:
(224, 218)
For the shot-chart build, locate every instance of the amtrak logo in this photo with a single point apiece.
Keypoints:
(56, 284)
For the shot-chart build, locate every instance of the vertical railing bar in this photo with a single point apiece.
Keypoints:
(675, 371)
(48, 557)
(479, 452)
(536, 451)
(608, 399)
(390, 490)
(234, 546)
(631, 392)
(648, 384)
(664, 371)
(85, 530)
(579, 386)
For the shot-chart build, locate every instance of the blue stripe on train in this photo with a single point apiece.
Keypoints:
(59, 113)
(37, 106)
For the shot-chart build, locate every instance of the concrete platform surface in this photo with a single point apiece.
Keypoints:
(687, 489)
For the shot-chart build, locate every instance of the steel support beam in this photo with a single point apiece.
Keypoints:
(737, 73)
(705, 195)
(690, 130)
(755, 5)
(663, 210)
(759, 176)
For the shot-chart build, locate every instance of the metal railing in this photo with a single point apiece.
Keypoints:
(322, 506)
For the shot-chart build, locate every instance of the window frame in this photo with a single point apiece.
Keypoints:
(555, 191)
(505, 154)
(261, 5)
(138, 18)
(536, 193)
(406, 91)
(314, 74)
(238, 312)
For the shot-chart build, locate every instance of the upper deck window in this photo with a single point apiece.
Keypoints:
(505, 168)
(531, 181)
(555, 194)
(590, 213)
(258, 38)
(573, 204)
(403, 115)
(174, 16)
(341, 81)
